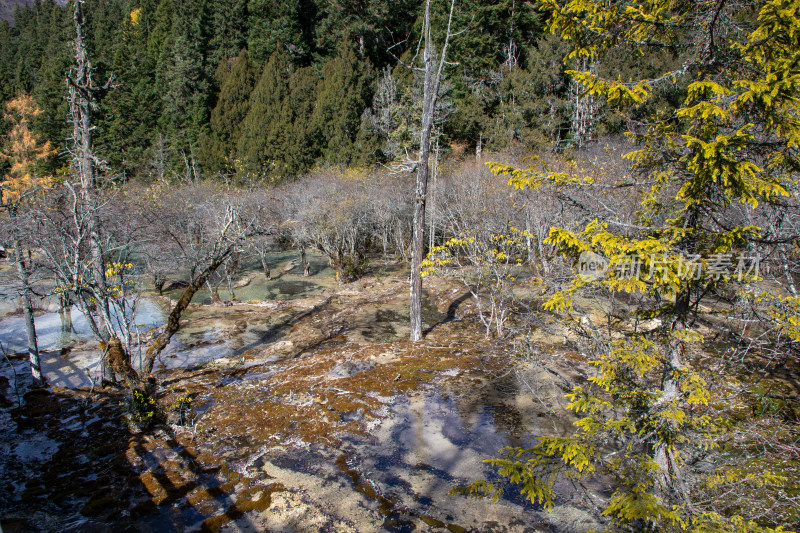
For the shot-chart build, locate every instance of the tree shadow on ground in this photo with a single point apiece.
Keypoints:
(76, 464)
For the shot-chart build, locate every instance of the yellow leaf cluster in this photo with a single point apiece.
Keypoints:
(136, 16)
(24, 152)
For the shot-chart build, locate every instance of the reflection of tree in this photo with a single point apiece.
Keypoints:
(494, 399)
(417, 406)
(499, 398)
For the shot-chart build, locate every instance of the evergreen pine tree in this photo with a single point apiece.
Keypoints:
(102, 19)
(364, 23)
(159, 31)
(132, 108)
(186, 87)
(30, 44)
(663, 411)
(298, 150)
(49, 89)
(218, 144)
(286, 25)
(258, 144)
(530, 106)
(343, 96)
(228, 23)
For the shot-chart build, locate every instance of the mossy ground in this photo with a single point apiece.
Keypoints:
(313, 373)
(326, 368)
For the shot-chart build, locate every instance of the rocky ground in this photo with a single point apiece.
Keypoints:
(327, 419)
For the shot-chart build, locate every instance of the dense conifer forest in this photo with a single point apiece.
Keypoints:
(265, 91)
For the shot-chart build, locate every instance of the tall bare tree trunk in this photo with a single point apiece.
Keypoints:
(27, 303)
(433, 78)
(82, 99)
(84, 165)
(582, 127)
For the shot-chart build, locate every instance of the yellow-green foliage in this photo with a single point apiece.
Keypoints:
(487, 263)
(142, 408)
(492, 249)
(647, 412)
(118, 284)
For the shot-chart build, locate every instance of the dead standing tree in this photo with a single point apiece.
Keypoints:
(197, 226)
(84, 165)
(78, 251)
(433, 67)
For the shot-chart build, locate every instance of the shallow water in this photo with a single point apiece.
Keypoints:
(440, 434)
(286, 283)
(221, 332)
(425, 444)
(194, 344)
(58, 332)
(55, 331)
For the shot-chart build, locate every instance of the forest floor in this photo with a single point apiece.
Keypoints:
(328, 420)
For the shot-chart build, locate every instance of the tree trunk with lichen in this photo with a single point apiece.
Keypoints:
(27, 302)
(433, 78)
(669, 475)
(84, 167)
(173, 322)
(118, 360)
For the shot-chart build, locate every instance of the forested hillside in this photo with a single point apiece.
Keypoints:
(8, 7)
(265, 90)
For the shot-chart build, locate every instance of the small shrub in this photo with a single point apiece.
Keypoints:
(182, 407)
(353, 268)
(143, 408)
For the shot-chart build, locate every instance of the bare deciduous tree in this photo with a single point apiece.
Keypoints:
(21, 181)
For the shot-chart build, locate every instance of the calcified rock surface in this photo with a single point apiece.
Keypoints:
(320, 416)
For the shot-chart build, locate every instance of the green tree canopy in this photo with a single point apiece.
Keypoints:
(344, 93)
(281, 25)
(218, 144)
(259, 142)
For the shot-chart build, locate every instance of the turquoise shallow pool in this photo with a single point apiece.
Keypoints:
(287, 281)
(205, 339)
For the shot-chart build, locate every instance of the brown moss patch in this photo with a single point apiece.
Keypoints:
(167, 487)
(432, 522)
(203, 495)
(257, 498)
(303, 400)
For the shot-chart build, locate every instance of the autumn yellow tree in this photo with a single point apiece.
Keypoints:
(25, 154)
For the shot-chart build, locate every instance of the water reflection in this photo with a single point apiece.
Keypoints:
(443, 433)
(61, 330)
(433, 441)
